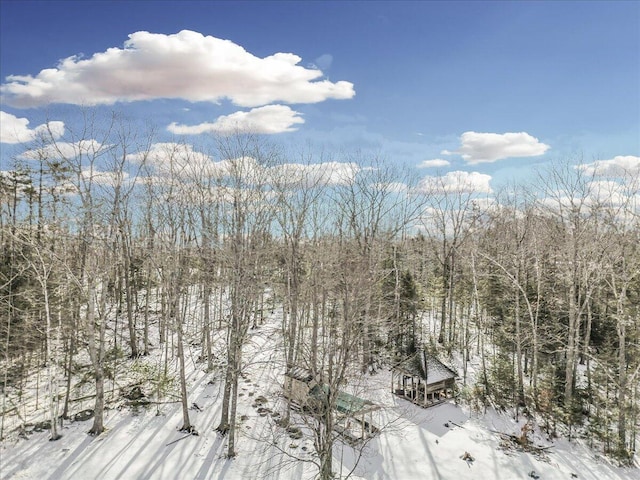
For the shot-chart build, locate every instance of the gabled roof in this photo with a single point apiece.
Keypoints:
(427, 367)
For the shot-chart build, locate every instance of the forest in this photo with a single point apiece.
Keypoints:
(115, 245)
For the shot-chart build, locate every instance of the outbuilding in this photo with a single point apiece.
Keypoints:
(423, 380)
(353, 416)
(298, 383)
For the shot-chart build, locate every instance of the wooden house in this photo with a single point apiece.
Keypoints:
(423, 380)
(353, 415)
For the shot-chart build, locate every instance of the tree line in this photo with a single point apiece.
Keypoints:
(114, 245)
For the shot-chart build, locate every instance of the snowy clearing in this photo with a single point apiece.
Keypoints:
(414, 443)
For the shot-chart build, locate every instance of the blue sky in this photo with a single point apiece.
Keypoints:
(489, 87)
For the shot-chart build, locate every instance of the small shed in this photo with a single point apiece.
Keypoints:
(423, 380)
(298, 383)
(353, 415)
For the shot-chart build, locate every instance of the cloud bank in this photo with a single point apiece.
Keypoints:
(175, 160)
(618, 166)
(16, 130)
(457, 182)
(489, 147)
(181, 160)
(270, 119)
(308, 175)
(66, 150)
(186, 65)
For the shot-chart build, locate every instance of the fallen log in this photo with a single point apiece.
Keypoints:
(181, 438)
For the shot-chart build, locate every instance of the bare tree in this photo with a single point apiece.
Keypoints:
(245, 217)
(579, 248)
(448, 218)
(622, 273)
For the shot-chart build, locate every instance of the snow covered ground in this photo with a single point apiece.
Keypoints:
(415, 443)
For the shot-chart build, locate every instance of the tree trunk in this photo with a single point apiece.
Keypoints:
(51, 359)
(443, 309)
(622, 376)
(223, 426)
(146, 312)
(450, 287)
(574, 328)
(186, 423)
(231, 453)
(131, 320)
(97, 355)
(520, 386)
(69, 361)
(98, 420)
(207, 324)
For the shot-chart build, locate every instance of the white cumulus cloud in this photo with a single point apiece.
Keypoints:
(307, 175)
(174, 159)
(270, 119)
(618, 166)
(606, 192)
(66, 150)
(489, 147)
(108, 178)
(457, 182)
(186, 65)
(16, 130)
(435, 163)
(171, 160)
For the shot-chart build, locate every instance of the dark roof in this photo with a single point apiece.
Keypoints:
(427, 367)
(300, 373)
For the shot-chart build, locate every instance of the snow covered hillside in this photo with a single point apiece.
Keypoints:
(445, 442)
